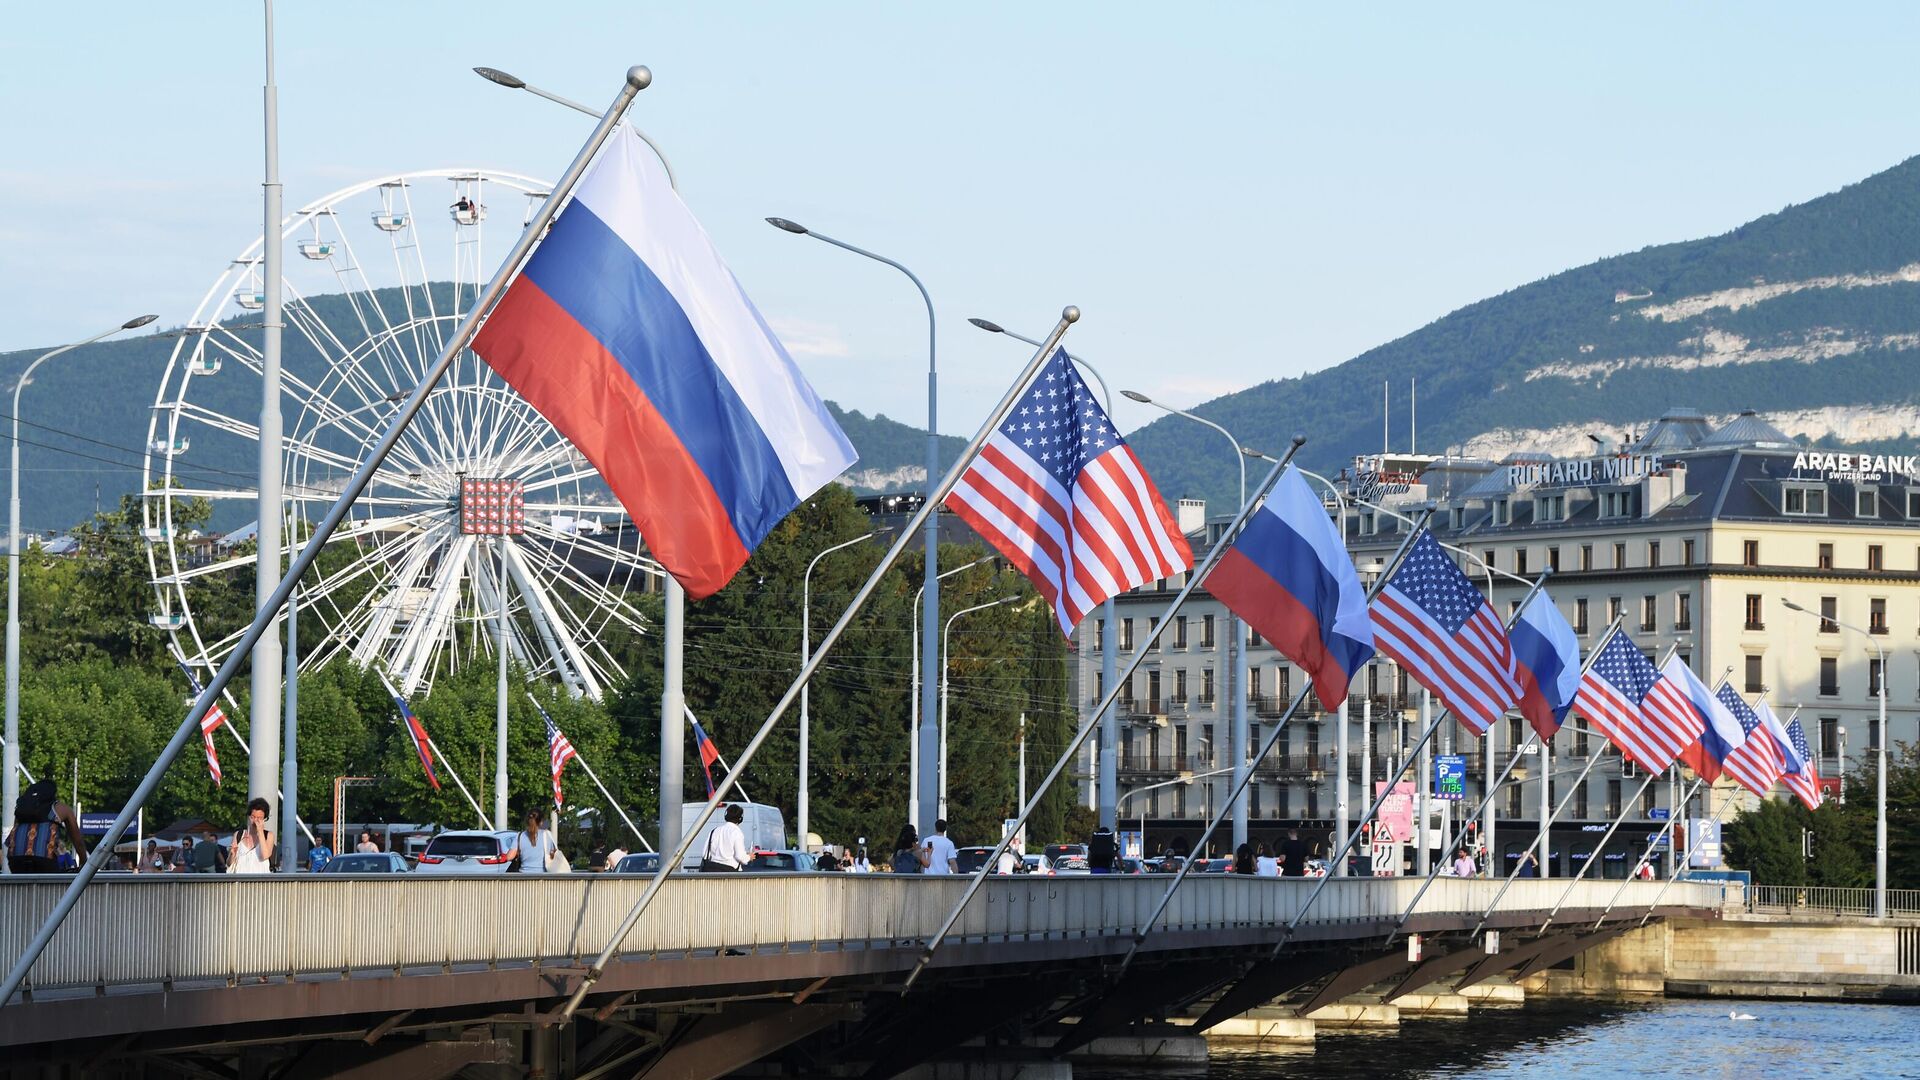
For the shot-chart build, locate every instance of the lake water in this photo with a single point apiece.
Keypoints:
(1582, 1040)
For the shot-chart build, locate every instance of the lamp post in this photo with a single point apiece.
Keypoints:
(1880, 811)
(263, 762)
(1237, 738)
(1107, 768)
(11, 783)
(1185, 777)
(806, 651)
(913, 726)
(946, 661)
(931, 532)
(501, 78)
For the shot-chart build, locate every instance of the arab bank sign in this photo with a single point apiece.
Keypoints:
(1615, 469)
(1858, 468)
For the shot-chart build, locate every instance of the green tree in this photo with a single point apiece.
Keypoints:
(1767, 842)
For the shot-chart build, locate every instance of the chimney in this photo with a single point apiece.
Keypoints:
(1661, 488)
(1190, 515)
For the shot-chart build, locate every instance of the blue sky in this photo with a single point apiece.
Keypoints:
(1230, 192)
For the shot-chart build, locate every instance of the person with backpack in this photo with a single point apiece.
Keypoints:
(34, 846)
(906, 851)
(1101, 851)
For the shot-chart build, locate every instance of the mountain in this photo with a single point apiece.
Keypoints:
(893, 455)
(1810, 315)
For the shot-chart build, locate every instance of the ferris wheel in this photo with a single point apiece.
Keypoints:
(483, 514)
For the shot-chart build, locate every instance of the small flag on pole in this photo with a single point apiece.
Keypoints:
(209, 724)
(1637, 710)
(1755, 763)
(627, 331)
(1546, 657)
(418, 732)
(1432, 620)
(1288, 575)
(559, 751)
(1800, 774)
(1061, 495)
(709, 754)
(1715, 729)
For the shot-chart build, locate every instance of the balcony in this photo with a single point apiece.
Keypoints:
(1177, 703)
(1293, 766)
(1268, 707)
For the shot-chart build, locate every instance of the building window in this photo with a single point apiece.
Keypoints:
(1254, 640)
(1619, 556)
(1613, 798)
(1283, 806)
(1616, 504)
(1580, 615)
(1486, 556)
(1913, 502)
(1683, 612)
(1754, 621)
(1686, 552)
(1586, 556)
(1876, 557)
(1553, 559)
(1284, 687)
(1459, 515)
(1829, 611)
(1804, 501)
(1582, 746)
(1551, 508)
(1313, 743)
(1877, 615)
(1313, 801)
(1649, 605)
(1514, 795)
(1206, 688)
(1580, 802)
(1873, 736)
(1829, 676)
(1824, 560)
(1366, 523)
(1153, 633)
(1100, 635)
(1180, 801)
(1206, 631)
(1179, 631)
(1180, 687)
(1613, 609)
(1520, 560)
(1099, 686)
(1646, 799)
(1749, 553)
(1829, 738)
(1153, 693)
(1502, 512)
(1866, 502)
(1373, 680)
(1253, 685)
(1755, 682)
(1126, 633)
(1875, 687)
(1653, 553)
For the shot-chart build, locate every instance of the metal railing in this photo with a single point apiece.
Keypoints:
(1827, 900)
(177, 931)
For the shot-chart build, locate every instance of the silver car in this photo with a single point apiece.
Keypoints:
(468, 852)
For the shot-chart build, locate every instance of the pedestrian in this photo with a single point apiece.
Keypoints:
(318, 856)
(726, 851)
(1264, 864)
(1645, 873)
(938, 855)
(828, 864)
(859, 864)
(906, 851)
(207, 856)
(152, 861)
(1529, 866)
(1009, 863)
(252, 849)
(535, 851)
(1293, 855)
(614, 856)
(1243, 861)
(1463, 865)
(366, 846)
(35, 845)
(1102, 851)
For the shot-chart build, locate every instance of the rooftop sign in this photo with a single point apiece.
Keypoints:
(1614, 469)
(1857, 468)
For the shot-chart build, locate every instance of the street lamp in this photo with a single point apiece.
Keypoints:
(1106, 769)
(501, 78)
(1880, 812)
(1237, 740)
(806, 653)
(10, 788)
(1184, 777)
(931, 533)
(946, 661)
(913, 724)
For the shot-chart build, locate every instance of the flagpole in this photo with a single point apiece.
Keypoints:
(438, 754)
(1450, 838)
(1068, 317)
(1087, 728)
(591, 775)
(1564, 803)
(1380, 799)
(637, 79)
(718, 756)
(226, 718)
(1665, 828)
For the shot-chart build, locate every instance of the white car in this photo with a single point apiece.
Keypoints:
(1037, 864)
(471, 851)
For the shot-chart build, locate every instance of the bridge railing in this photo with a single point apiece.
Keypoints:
(1827, 900)
(190, 929)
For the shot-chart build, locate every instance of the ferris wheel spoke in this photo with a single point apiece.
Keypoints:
(400, 586)
(424, 632)
(545, 614)
(562, 571)
(301, 316)
(611, 552)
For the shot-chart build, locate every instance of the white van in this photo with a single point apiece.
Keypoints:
(766, 829)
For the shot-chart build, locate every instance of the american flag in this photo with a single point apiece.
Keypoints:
(1756, 761)
(209, 724)
(1640, 711)
(559, 752)
(1431, 619)
(1061, 495)
(1806, 782)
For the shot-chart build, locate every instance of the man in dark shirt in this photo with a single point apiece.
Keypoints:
(1101, 851)
(207, 855)
(1293, 855)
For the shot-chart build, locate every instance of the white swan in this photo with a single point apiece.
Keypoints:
(1740, 1016)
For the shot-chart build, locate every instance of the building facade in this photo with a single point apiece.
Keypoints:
(1696, 539)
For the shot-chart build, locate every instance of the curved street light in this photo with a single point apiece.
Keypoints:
(806, 653)
(946, 659)
(10, 763)
(501, 78)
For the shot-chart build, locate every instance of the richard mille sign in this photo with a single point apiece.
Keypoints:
(1613, 469)
(1869, 468)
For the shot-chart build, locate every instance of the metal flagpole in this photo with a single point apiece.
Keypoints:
(720, 757)
(439, 754)
(226, 718)
(1155, 629)
(673, 738)
(263, 767)
(1449, 838)
(591, 775)
(1542, 864)
(1423, 855)
(1068, 317)
(636, 80)
(1665, 828)
(1380, 799)
(290, 741)
(1564, 803)
(500, 702)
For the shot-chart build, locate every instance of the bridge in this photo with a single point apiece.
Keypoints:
(380, 975)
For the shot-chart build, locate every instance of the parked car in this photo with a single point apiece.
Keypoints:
(1054, 852)
(785, 860)
(1036, 864)
(970, 858)
(640, 862)
(1214, 866)
(1071, 865)
(468, 851)
(1130, 866)
(381, 862)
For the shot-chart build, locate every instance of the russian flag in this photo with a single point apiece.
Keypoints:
(709, 754)
(1546, 657)
(628, 333)
(1289, 577)
(1719, 729)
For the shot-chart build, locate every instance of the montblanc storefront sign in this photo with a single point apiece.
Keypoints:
(1857, 468)
(1614, 469)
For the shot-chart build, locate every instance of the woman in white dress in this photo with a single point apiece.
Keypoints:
(252, 851)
